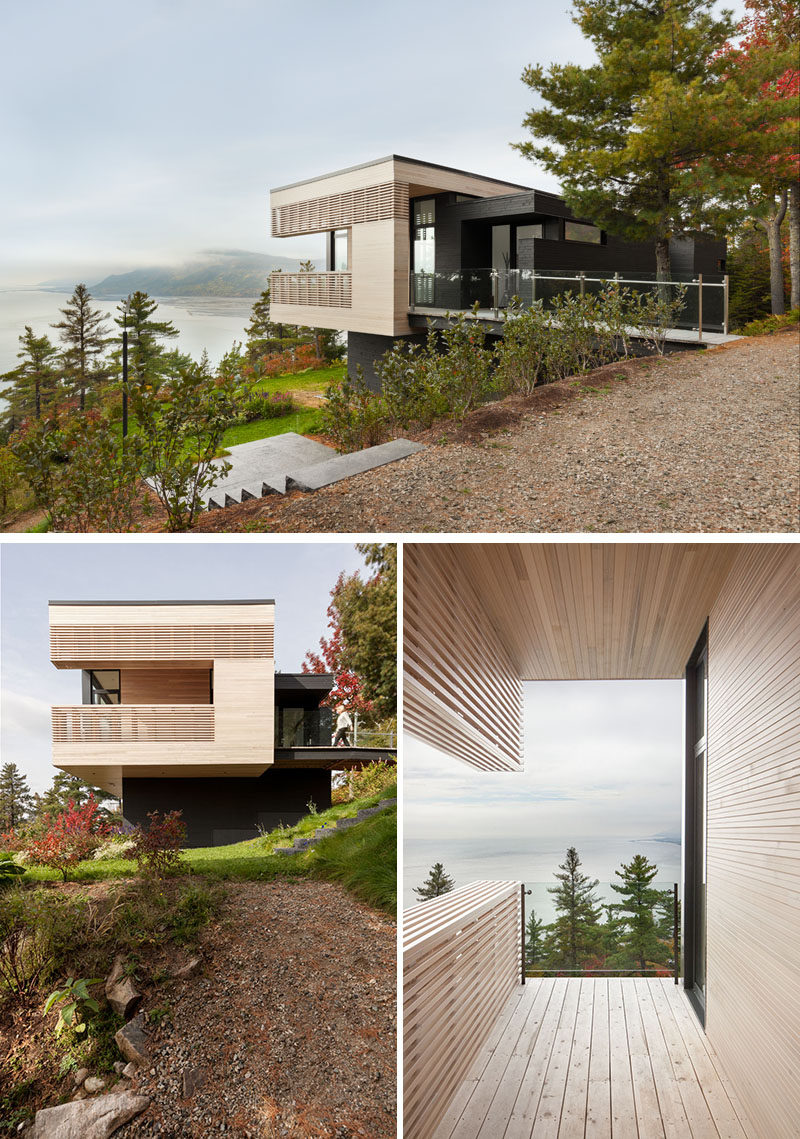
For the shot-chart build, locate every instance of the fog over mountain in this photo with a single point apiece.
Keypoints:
(214, 273)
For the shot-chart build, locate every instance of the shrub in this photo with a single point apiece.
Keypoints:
(371, 780)
(119, 846)
(69, 838)
(460, 365)
(290, 361)
(76, 1004)
(407, 389)
(771, 323)
(39, 929)
(655, 311)
(157, 850)
(265, 405)
(353, 416)
(522, 352)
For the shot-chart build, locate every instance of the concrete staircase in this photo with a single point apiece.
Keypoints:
(306, 841)
(293, 462)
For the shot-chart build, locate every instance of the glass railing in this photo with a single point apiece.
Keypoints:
(303, 727)
(493, 290)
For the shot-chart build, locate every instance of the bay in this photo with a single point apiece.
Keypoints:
(210, 323)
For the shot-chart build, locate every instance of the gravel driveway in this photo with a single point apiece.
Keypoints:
(697, 441)
(289, 1031)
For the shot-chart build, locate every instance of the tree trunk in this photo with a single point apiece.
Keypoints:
(772, 224)
(663, 267)
(794, 242)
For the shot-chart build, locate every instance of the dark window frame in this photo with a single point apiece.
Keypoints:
(691, 933)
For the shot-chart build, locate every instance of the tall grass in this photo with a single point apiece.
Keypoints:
(363, 859)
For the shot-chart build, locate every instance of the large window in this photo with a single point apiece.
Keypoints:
(424, 235)
(578, 231)
(340, 256)
(104, 687)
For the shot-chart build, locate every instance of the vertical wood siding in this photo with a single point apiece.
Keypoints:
(753, 888)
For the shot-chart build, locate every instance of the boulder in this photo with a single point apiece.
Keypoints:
(79, 1076)
(192, 1080)
(94, 1084)
(130, 1070)
(120, 992)
(133, 1042)
(88, 1118)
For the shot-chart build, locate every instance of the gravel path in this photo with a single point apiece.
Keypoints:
(289, 1031)
(697, 441)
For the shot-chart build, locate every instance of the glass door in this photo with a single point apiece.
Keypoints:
(696, 825)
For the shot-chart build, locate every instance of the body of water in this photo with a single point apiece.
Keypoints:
(210, 323)
(599, 858)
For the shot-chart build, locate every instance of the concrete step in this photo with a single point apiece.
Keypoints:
(259, 468)
(311, 477)
(342, 824)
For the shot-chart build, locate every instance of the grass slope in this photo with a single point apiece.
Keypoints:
(365, 864)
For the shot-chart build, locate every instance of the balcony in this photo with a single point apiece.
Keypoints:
(705, 304)
(487, 1056)
(317, 290)
(303, 727)
(132, 723)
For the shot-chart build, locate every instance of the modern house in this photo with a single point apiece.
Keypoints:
(182, 710)
(409, 241)
(720, 1054)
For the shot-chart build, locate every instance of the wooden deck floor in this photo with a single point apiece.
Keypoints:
(596, 1059)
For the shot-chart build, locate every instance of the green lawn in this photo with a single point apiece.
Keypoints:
(363, 872)
(310, 381)
(306, 421)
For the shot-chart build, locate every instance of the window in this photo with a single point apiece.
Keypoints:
(104, 687)
(424, 235)
(526, 232)
(578, 231)
(340, 261)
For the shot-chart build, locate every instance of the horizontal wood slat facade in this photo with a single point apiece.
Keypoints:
(462, 959)
(165, 686)
(77, 646)
(336, 211)
(327, 290)
(462, 692)
(122, 723)
(753, 883)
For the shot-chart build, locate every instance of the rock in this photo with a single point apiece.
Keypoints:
(130, 1070)
(119, 1067)
(94, 1084)
(120, 992)
(79, 1076)
(192, 1080)
(189, 969)
(133, 1042)
(89, 1118)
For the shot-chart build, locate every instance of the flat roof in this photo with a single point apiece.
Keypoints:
(222, 601)
(400, 158)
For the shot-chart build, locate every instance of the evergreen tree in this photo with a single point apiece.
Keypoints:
(147, 359)
(262, 336)
(641, 942)
(16, 801)
(534, 941)
(628, 129)
(33, 382)
(66, 789)
(84, 336)
(576, 932)
(437, 883)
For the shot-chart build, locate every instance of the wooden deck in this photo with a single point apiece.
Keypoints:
(596, 1059)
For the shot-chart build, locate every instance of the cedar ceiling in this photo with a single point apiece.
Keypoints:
(592, 611)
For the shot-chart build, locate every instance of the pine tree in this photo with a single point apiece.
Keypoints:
(16, 801)
(437, 883)
(33, 382)
(66, 789)
(640, 942)
(534, 941)
(576, 932)
(628, 129)
(84, 336)
(261, 334)
(147, 358)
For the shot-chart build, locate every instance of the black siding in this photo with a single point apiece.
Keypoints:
(365, 348)
(220, 811)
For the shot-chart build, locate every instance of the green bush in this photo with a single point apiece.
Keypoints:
(39, 930)
(772, 323)
(354, 417)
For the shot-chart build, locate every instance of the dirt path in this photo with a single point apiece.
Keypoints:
(698, 442)
(290, 1029)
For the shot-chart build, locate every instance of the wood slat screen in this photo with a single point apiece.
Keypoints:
(462, 960)
(124, 723)
(462, 693)
(334, 211)
(326, 290)
(69, 643)
(753, 860)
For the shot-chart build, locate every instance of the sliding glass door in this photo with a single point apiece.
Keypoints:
(696, 784)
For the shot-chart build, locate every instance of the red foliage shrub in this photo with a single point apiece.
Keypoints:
(158, 849)
(292, 360)
(69, 838)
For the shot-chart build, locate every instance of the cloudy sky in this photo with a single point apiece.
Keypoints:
(142, 133)
(298, 575)
(603, 764)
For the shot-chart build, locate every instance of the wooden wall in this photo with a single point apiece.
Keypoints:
(753, 884)
(165, 686)
(462, 693)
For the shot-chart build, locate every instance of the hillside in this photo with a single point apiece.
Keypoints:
(216, 273)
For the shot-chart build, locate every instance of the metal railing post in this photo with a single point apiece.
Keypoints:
(583, 283)
(676, 933)
(355, 729)
(725, 296)
(522, 916)
(700, 306)
(495, 294)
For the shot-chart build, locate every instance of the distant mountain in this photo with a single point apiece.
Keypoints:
(216, 273)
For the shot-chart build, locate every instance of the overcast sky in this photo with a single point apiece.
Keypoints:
(603, 764)
(298, 575)
(137, 134)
